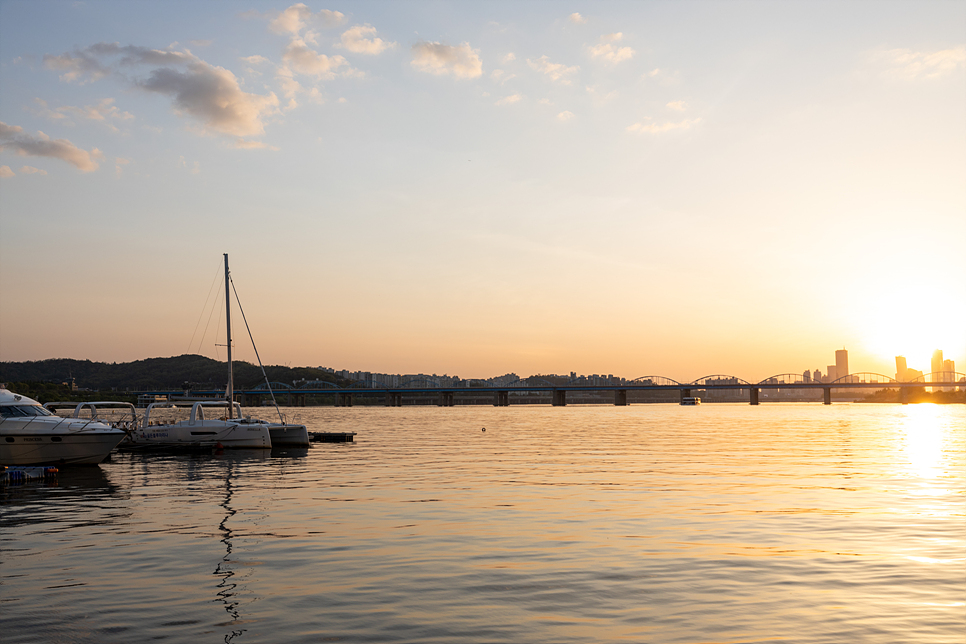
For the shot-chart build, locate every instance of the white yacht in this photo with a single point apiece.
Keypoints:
(222, 430)
(32, 435)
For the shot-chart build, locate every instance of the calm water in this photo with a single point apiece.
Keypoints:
(649, 523)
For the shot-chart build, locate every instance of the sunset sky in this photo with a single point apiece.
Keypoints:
(675, 188)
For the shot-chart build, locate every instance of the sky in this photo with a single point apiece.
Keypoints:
(628, 188)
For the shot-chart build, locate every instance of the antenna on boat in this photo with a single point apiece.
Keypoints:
(230, 393)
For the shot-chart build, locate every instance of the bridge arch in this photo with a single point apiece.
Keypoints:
(863, 377)
(654, 380)
(319, 384)
(419, 381)
(276, 386)
(947, 378)
(709, 380)
(783, 379)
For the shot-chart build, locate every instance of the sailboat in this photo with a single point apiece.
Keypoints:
(227, 429)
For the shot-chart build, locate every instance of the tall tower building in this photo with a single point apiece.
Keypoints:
(901, 368)
(937, 363)
(841, 363)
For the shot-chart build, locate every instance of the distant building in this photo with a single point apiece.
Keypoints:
(937, 362)
(817, 375)
(901, 368)
(806, 376)
(831, 373)
(841, 364)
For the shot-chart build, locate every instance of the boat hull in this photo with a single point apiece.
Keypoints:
(201, 435)
(57, 448)
(286, 435)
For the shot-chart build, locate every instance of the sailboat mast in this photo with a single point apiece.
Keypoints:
(230, 393)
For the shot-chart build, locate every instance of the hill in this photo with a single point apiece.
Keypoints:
(154, 373)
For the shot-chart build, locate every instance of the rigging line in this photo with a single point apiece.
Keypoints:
(218, 355)
(205, 306)
(264, 375)
(202, 340)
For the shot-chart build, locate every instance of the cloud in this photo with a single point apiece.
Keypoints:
(311, 63)
(654, 128)
(509, 58)
(75, 67)
(297, 17)
(13, 136)
(680, 106)
(509, 100)
(194, 169)
(5, 171)
(243, 144)
(359, 41)
(436, 58)
(213, 96)
(577, 19)
(119, 163)
(607, 51)
(500, 76)
(556, 71)
(906, 64)
(255, 60)
(102, 111)
(565, 116)
(200, 43)
(29, 169)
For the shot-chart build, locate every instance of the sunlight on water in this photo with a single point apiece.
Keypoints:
(651, 523)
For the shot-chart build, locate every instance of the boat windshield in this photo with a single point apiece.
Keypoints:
(19, 411)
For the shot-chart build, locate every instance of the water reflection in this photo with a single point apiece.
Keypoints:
(923, 437)
(226, 588)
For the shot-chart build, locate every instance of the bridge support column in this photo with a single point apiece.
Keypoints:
(300, 400)
(446, 399)
(393, 399)
(827, 398)
(559, 398)
(620, 397)
(753, 396)
(502, 399)
(343, 400)
(904, 395)
(685, 393)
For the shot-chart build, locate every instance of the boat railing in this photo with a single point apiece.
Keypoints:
(94, 412)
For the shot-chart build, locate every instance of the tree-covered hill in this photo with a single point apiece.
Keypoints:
(153, 373)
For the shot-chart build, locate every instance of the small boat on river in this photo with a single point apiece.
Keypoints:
(31, 435)
(222, 430)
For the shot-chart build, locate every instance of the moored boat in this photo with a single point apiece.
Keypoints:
(32, 435)
(229, 431)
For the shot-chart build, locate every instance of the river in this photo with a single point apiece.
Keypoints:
(658, 523)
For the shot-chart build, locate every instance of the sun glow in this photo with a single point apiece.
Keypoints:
(923, 437)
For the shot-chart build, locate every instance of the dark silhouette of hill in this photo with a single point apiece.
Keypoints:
(154, 373)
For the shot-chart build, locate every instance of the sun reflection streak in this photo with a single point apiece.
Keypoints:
(923, 438)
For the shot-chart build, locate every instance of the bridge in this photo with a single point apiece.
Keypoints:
(711, 386)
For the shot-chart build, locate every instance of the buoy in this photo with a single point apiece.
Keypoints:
(484, 429)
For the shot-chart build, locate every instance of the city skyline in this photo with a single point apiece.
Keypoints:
(536, 188)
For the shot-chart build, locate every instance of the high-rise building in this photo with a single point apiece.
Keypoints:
(901, 368)
(937, 363)
(832, 372)
(841, 363)
(817, 375)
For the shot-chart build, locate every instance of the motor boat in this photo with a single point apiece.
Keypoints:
(32, 435)
(228, 430)
(286, 434)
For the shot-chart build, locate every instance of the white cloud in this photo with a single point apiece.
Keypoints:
(297, 17)
(509, 100)
(212, 95)
(654, 128)
(255, 60)
(194, 169)
(5, 171)
(555, 71)
(577, 19)
(680, 106)
(509, 58)
(243, 144)
(308, 61)
(500, 76)
(13, 136)
(360, 40)
(906, 64)
(609, 52)
(436, 58)
(29, 169)
(565, 116)
(119, 163)
(544, 101)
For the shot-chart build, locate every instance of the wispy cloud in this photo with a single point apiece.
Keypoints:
(5, 171)
(361, 39)
(29, 169)
(555, 71)
(13, 136)
(509, 100)
(565, 116)
(103, 111)
(907, 64)
(509, 58)
(679, 106)
(305, 60)
(655, 128)
(577, 19)
(461, 61)
(608, 50)
(119, 163)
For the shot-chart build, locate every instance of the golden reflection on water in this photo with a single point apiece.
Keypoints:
(924, 435)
